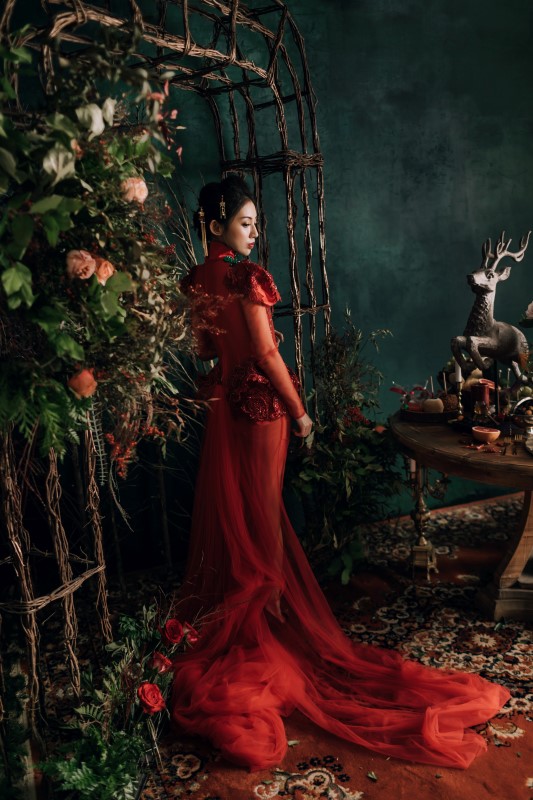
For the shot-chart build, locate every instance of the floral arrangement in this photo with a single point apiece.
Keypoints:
(348, 468)
(88, 277)
(116, 724)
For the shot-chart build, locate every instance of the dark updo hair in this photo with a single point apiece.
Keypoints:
(235, 192)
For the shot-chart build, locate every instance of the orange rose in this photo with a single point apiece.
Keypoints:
(80, 264)
(104, 270)
(151, 698)
(83, 383)
(380, 429)
(134, 189)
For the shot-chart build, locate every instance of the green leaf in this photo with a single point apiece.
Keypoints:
(67, 346)
(59, 163)
(60, 122)
(22, 54)
(119, 282)
(8, 163)
(345, 576)
(46, 204)
(49, 318)
(22, 229)
(91, 117)
(51, 228)
(15, 277)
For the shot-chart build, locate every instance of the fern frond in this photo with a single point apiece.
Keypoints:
(95, 424)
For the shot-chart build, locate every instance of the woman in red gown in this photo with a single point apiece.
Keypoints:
(258, 659)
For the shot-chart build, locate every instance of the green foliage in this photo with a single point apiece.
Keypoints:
(111, 733)
(63, 172)
(14, 736)
(348, 469)
(104, 769)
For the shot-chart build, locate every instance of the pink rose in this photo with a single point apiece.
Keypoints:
(172, 632)
(104, 270)
(83, 383)
(134, 189)
(151, 698)
(80, 264)
(160, 662)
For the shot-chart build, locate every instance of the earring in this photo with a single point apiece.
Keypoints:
(201, 217)
(222, 207)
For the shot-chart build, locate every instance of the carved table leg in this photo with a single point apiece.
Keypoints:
(423, 553)
(510, 593)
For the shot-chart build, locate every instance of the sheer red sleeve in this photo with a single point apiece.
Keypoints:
(258, 293)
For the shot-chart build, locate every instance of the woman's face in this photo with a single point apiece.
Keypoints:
(241, 231)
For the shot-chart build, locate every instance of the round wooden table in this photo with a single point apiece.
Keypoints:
(438, 446)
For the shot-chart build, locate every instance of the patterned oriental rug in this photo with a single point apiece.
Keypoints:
(433, 622)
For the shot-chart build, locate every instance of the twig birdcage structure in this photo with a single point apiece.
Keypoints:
(248, 63)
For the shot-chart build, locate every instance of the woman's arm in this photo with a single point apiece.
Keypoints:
(269, 360)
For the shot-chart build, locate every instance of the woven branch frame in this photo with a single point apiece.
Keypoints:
(235, 28)
(234, 85)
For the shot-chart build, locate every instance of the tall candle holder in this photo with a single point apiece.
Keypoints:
(423, 552)
(460, 410)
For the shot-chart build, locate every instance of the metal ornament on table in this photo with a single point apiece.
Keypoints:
(484, 338)
(423, 552)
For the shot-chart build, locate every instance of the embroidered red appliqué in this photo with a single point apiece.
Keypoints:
(254, 282)
(251, 393)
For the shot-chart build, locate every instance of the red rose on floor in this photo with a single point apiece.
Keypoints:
(151, 698)
(160, 662)
(172, 632)
(83, 383)
(191, 633)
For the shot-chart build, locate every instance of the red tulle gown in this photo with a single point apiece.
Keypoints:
(249, 669)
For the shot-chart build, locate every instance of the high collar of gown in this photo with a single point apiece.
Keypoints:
(218, 251)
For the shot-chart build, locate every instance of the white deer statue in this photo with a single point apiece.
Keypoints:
(484, 338)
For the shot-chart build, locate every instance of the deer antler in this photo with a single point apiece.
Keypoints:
(502, 250)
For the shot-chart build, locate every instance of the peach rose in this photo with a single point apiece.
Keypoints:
(80, 264)
(76, 149)
(83, 383)
(134, 189)
(104, 270)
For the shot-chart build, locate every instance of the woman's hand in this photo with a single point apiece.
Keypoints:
(303, 426)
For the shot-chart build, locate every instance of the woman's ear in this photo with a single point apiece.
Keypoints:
(216, 228)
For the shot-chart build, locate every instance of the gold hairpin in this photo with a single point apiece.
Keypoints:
(222, 207)
(201, 217)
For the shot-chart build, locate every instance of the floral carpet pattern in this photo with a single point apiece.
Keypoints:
(435, 622)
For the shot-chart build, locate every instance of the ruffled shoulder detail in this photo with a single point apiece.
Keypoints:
(254, 282)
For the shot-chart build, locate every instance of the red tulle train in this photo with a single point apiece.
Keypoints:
(249, 670)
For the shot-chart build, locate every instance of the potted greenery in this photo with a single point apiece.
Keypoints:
(348, 469)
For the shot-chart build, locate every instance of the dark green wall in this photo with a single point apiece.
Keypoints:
(426, 125)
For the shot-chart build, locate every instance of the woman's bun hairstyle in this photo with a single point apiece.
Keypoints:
(235, 192)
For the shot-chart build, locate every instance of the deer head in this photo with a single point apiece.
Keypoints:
(486, 278)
